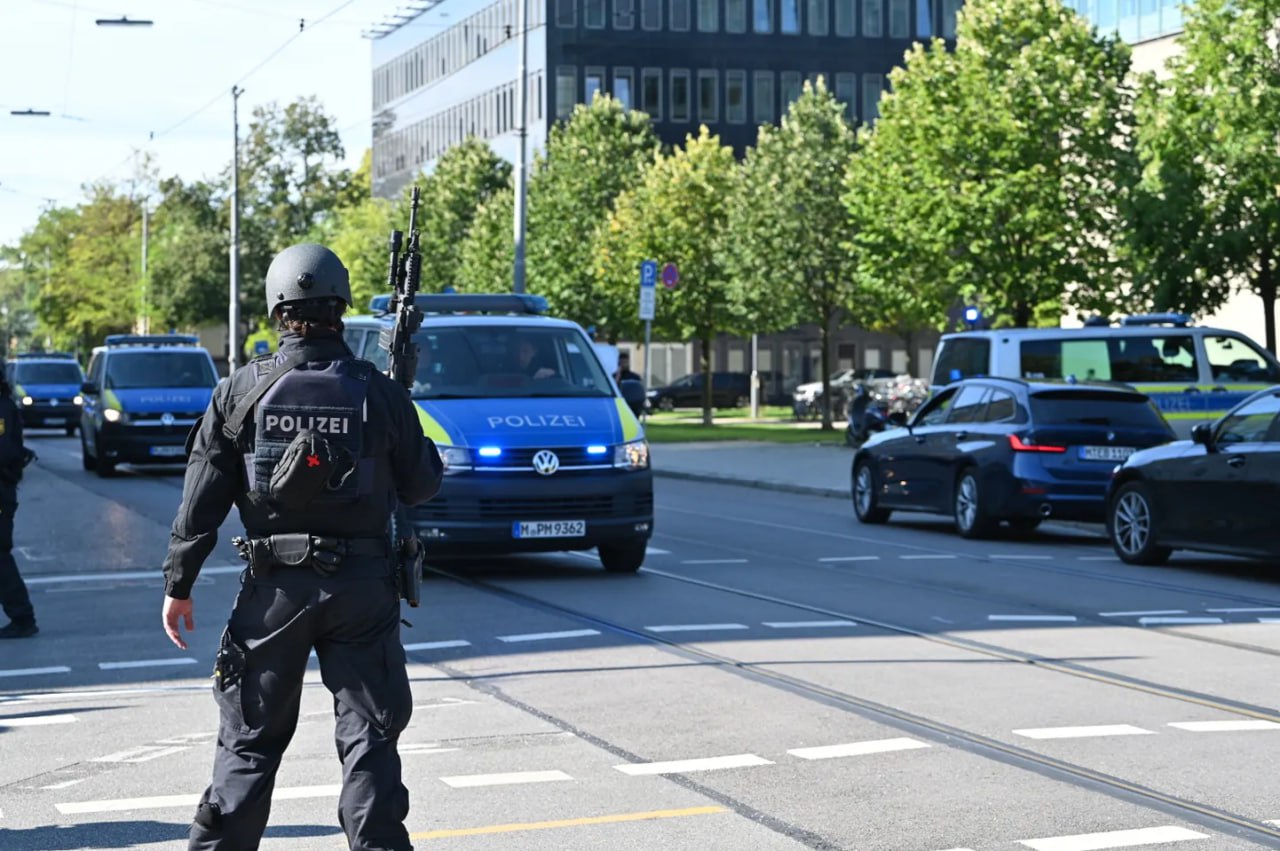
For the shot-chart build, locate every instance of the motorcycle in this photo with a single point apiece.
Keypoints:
(881, 404)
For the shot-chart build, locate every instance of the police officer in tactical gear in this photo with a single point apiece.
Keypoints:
(316, 449)
(14, 598)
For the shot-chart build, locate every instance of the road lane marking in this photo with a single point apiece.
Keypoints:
(518, 827)
(1096, 558)
(25, 552)
(92, 694)
(32, 672)
(806, 624)
(1113, 839)
(467, 781)
(1022, 557)
(436, 645)
(924, 556)
(1084, 732)
(419, 750)
(1238, 611)
(65, 784)
(146, 663)
(714, 561)
(546, 636)
(140, 755)
(1268, 620)
(1224, 726)
(684, 766)
(1034, 618)
(850, 558)
(655, 551)
(695, 627)
(1173, 621)
(1141, 614)
(130, 574)
(159, 802)
(37, 720)
(858, 748)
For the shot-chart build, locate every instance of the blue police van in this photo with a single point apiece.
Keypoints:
(141, 398)
(46, 386)
(542, 449)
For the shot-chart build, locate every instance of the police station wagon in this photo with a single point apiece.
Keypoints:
(1193, 374)
(541, 450)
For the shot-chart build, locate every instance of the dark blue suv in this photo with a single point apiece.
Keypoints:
(46, 386)
(987, 450)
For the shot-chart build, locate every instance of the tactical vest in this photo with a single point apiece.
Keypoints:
(325, 397)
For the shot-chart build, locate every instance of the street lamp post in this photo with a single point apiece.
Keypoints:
(233, 303)
(521, 181)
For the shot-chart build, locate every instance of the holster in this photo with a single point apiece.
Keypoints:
(297, 549)
(229, 664)
(409, 570)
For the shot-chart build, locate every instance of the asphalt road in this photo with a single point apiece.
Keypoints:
(776, 677)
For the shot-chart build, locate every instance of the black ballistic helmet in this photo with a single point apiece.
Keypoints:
(304, 272)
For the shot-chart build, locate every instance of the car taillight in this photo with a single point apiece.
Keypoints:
(1017, 444)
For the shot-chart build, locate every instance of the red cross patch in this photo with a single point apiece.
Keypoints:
(313, 460)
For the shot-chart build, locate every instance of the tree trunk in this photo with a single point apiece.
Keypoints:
(1022, 313)
(825, 337)
(1266, 288)
(707, 409)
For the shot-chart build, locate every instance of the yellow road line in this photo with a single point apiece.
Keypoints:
(572, 822)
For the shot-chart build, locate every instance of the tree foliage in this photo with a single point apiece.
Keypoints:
(188, 255)
(358, 232)
(488, 253)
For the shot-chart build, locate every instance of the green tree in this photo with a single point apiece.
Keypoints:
(488, 252)
(189, 255)
(589, 160)
(464, 178)
(358, 231)
(678, 213)
(787, 260)
(1208, 214)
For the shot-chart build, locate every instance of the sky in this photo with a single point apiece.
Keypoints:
(109, 89)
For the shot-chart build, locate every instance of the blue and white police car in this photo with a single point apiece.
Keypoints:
(46, 386)
(542, 448)
(141, 398)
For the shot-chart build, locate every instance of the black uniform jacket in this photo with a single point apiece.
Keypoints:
(407, 470)
(10, 448)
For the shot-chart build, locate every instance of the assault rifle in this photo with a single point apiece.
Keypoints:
(403, 276)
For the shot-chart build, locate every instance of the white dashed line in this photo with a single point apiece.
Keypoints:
(65, 784)
(1240, 611)
(419, 750)
(684, 766)
(120, 805)
(436, 645)
(139, 755)
(806, 624)
(1113, 839)
(858, 749)
(1224, 726)
(33, 672)
(849, 558)
(1033, 618)
(1022, 557)
(132, 574)
(146, 663)
(1141, 614)
(1268, 620)
(1174, 621)
(467, 781)
(695, 627)
(714, 561)
(547, 636)
(37, 720)
(654, 551)
(1083, 732)
(923, 557)
(1095, 558)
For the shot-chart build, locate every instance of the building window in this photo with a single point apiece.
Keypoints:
(708, 96)
(924, 18)
(679, 13)
(566, 90)
(791, 88)
(592, 82)
(593, 14)
(708, 16)
(624, 14)
(872, 86)
(873, 18)
(949, 10)
(789, 16)
(623, 79)
(761, 16)
(735, 97)
(651, 15)
(762, 104)
(680, 96)
(899, 19)
(818, 17)
(847, 93)
(846, 18)
(566, 13)
(651, 92)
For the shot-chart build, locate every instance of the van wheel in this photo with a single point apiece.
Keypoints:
(972, 520)
(625, 557)
(864, 495)
(1131, 527)
(86, 458)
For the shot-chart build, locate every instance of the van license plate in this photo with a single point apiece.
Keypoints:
(549, 529)
(167, 451)
(1105, 453)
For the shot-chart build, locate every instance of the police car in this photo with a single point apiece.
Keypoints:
(141, 397)
(1194, 374)
(46, 386)
(542, 451)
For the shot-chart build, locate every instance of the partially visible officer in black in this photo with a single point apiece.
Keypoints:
(315, 448)
(13, 458)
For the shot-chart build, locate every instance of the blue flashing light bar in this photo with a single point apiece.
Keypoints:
(490, 452)
(597, 450)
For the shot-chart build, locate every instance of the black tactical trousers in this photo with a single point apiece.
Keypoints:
(353, 622)
(13, 591)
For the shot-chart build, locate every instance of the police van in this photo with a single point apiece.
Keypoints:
(1193, 374)
(46, 386)
(542, 451)
(141, 398)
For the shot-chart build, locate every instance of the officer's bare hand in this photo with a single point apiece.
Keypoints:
(173, 610)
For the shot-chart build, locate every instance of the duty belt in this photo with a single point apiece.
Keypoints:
(320, 553)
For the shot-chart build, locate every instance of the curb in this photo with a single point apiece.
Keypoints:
(782, 487)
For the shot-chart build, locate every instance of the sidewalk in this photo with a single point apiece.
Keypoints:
(795, 468)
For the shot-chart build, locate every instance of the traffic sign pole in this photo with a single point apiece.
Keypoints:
(648, 303)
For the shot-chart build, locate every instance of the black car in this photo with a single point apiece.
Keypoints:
(987, 450)
(1217, 491)
(728, 390)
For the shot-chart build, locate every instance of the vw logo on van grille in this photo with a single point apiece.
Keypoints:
(546, 462)
(166, 419)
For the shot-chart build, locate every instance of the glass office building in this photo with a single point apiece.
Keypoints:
(1133, 20)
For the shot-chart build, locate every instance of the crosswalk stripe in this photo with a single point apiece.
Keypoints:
(682, 766)
(120, 805)
(1113, 839)
(467, 781)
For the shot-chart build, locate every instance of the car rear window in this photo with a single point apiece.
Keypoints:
(1093, 408)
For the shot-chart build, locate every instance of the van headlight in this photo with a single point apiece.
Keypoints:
(113, 415)
(455, 459)
(77, 400)
(28, 401)
(632, 456)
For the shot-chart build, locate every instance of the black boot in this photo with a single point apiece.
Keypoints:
(19, 630)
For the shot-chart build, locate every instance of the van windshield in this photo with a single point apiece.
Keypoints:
(48, 373)
(1128, 359)
(504, 362)
(134, 370)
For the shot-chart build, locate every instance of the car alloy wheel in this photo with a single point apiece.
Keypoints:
(864, 496)
(1132, 527)
(970, 515)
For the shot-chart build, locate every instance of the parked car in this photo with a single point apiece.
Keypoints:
(1216, 492)
(728, 390)
(991, 450)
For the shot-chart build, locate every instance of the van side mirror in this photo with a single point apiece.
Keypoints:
(633, 394)
(89, 388)
(1202, 433)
